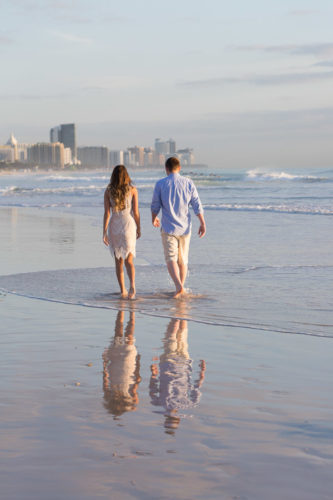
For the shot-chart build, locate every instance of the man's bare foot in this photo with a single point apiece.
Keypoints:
(179, 293)
(131, 294)
(124, 294)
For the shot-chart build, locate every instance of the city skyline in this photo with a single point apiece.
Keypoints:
(62, 151)
(246, 84)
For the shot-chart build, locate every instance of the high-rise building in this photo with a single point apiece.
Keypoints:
(186, 156)
(165, 147)
(68, 156)
(161, 147)
(116, 158)
(7, 154)
(128, 158)
(138, 155)
(13, 151)
(55, 134)
(65, 133)
(47, 154)
(93, 156)
(172, 147)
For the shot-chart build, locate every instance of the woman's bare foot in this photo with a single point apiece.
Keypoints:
(124, 294)
(179, 293)
(131, 293)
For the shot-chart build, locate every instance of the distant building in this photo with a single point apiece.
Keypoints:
(172, 146)
(161, 147)
(47, 154)
(68, 160)
(138, 155)
(7, 154)
(165, 147)
(13, 151)
(127, 158)
(12, 143)
(116, 158)
(149, 157)
(93, 156)
(65, 133)
(186, 156)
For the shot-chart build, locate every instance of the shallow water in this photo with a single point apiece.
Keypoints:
(274, 276)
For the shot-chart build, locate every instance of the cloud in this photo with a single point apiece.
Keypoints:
(45, 5)
(5, 40)
(38, 97)
(325, 64)
(65, 11)
(70, 37)
(303, 12)
(278, 79)
(313, 49)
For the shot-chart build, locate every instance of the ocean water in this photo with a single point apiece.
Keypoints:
(266, 262)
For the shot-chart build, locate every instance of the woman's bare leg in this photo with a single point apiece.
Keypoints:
(131, 275)
(120, 276)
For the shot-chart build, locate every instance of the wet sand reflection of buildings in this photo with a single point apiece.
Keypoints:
(121, 369)
(172, 382)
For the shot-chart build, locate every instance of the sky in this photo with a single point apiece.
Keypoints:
(245, 84)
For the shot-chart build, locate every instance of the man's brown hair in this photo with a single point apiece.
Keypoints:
(172, 163)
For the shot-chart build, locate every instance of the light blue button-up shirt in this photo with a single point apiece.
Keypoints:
(174, 194)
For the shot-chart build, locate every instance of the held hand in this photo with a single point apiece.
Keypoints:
(202, 230)
(105, 239)
(156, 222)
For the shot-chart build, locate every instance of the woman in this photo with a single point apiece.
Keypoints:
(121, 232)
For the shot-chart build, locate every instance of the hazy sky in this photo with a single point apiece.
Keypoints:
(245, 83)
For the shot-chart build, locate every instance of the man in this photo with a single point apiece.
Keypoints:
(174, 194)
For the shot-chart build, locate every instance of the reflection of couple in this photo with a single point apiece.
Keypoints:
(173, 194)
(171, 383)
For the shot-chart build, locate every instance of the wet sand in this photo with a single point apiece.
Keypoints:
(190, 411)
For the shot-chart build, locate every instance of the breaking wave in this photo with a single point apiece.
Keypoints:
(257, 174)
(10, 190)
(247, 207)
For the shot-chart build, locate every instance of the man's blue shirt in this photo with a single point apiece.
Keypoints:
(175, 194)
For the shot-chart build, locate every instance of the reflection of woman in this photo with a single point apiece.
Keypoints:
(171, 384)
(121, 369)
(121, 232)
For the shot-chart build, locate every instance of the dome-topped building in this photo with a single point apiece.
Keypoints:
(12, 141)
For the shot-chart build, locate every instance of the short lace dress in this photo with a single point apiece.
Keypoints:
(122, 230)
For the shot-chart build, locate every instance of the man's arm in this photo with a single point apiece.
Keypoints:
(202, 227)
(155, 206)
(198, 210)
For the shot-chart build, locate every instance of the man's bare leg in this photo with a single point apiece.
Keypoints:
(173, 269)
(182, 272)
(120, 276)
(131, 275)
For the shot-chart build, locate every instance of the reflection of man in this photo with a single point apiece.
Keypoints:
(171, 384)
(121, 369)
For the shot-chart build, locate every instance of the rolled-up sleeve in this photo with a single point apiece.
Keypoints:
(195, 201)
(156, 201)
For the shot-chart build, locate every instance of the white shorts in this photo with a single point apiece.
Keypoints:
(176, 248)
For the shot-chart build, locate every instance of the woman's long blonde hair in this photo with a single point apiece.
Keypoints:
(119, 186)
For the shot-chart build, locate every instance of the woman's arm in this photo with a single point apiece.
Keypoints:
(135, 210)
(106, 218)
